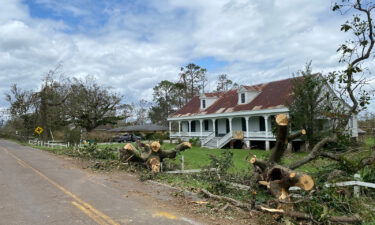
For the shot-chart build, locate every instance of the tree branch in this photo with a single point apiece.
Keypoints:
(315, 152)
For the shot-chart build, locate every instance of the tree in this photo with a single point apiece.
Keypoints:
(223, 83)
(354, 54)
(167, 99)
(23, 105)
(141, 110)
(193, 78)
(126, 111)
(54, 92)
(311, 102)
(90, 105)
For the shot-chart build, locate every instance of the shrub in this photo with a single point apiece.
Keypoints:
(194, 141)
(93, 151)
(72, 136)
(218, 178)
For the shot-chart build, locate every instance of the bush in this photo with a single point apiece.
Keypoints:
(72, 136)
(194, 141)
(99, 136)
(93, 151)
(218, 178)
(157, 137)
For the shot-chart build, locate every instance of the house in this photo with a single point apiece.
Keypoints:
(244, 114)
(142, 129)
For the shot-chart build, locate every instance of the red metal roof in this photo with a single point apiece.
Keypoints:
(271, 95)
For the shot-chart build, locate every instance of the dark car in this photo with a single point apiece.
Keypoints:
(126, 138)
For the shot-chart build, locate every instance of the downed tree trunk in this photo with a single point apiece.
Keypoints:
(294, 214)
(301, 215)
(278, 179)
(151, 155)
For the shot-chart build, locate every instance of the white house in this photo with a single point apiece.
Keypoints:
(243, 114)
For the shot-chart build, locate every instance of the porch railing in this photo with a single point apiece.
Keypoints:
(259, 134)
(208, 138)
(190, 134)
(250, 134)
(221, 142)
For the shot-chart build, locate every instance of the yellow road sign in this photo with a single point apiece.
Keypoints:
(38, 130)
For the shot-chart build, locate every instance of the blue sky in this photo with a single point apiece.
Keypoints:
(116, 41)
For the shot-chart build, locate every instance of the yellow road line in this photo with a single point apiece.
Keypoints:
(166, 215)
(21, 163)
(92, 215)
(76, 198)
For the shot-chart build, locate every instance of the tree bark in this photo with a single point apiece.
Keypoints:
(151, 155)
(281, 138)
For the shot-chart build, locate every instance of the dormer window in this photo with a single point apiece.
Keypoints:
(246, 94)
(243, 98)
(207, 99)
(203, 103)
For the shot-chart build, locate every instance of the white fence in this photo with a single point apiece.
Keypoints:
(49, 144)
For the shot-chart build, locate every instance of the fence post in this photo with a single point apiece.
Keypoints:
(182, 162)
(356, 189)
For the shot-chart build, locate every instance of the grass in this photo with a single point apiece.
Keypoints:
(199, 157)
(370, 141)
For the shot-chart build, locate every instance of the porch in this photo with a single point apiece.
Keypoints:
(216, 132)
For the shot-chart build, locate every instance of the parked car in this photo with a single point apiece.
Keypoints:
(126, 138)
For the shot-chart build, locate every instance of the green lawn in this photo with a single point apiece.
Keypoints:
(198, 157)
(370, 141)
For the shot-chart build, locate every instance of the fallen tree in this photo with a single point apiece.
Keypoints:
(294, 214)
(150, 154)
(278, 179)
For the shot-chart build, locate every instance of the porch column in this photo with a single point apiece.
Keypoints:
(230, 125)
(170, 128)
(179, 128)
(267, 145)
(201, 123)
(213, 126)
(189, 127)
(266, 126)
(247, 125)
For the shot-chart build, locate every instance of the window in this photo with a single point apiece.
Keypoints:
(243, 98)
(193, 126)
(206, 125)
(262, 124)
(243, 122)
(203, 104)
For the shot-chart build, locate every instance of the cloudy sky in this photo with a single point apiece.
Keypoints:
(131, 45)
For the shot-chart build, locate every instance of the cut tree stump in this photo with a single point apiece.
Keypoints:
(150, 154)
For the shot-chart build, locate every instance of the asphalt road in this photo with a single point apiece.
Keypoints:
(38, 188)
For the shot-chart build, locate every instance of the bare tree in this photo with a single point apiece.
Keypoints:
(193, 78)
(223, 83)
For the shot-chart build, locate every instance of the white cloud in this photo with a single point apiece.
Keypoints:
(134, 48)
